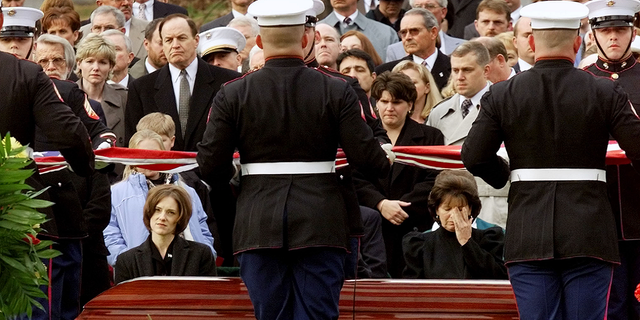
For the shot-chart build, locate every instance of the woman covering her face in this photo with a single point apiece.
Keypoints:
(455, 250)
(166, 214)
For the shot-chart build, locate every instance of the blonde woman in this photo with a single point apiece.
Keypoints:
(428, 94)
(95, 60)
(126, 229)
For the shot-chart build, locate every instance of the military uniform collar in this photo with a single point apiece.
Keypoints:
(615, 67)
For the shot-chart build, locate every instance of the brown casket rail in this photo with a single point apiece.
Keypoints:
(227, 298)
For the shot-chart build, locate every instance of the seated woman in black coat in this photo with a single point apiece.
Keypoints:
(401, 197)
(166, 214)
(455, 250)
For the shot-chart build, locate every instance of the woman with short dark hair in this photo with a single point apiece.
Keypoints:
(455, 250)
(401, 197)
(166, 214)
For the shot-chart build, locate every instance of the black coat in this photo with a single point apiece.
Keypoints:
(546, 123)
(287, 112)
(189, 259)
(154, 93)
(405, 183)
(27, 100)
(220, 22)
(623, 182)
(161, 9)
(377, 15)
(463, 13)
(440, 71)
(439, 255)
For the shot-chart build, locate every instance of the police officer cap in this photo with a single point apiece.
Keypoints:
(273, 13)
(612, 13)
(20, 22)
(555, 14)
(223, 39)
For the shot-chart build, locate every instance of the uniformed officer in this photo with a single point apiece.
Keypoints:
(612, 25)
(561, 245)
(221, 46)
(17, 33)
(287, 120)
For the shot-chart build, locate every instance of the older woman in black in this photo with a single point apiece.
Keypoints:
(455, 250)
(166, 214)
(401, 197)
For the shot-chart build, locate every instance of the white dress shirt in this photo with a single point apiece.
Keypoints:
(430, 60)
(524, 66)
(341, 18)
(150, 68)
(192, 69)
(475, 100)
(127, 27)
(148, 11)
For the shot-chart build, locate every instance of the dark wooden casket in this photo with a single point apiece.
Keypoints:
(227, 298)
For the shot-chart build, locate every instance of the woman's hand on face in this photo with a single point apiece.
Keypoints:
(392, 210)
(462, 221)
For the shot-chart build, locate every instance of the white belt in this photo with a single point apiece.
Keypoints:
(565, 174)
(289, 167)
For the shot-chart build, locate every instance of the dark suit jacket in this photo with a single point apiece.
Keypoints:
(161, 9)
(440, 72)
(154, 93)
(470, 31)
(189, 259)
(405, 183)
(464, 13)
(220, 22)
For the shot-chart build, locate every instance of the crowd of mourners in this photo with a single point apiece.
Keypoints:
(141, 74)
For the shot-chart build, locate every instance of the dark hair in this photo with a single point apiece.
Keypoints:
(48, 4)
(191, 23)
(367, 46)
(398, 84)
(358, 54)
(499, 6)
(454, 183)
(66, 14)
(151, 28)
(179, 194)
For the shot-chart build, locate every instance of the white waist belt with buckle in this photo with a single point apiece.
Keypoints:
(289, 168)
(565, 174)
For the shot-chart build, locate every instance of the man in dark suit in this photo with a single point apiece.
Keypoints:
(419, 31)
(162, 91)
(462, 14)
(150, 9)
(238, 9)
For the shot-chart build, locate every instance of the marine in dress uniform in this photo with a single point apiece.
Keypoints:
(221, 46)
(28, 99)
(17, 33)
(612, 25)
(291, 224)
(561, 245)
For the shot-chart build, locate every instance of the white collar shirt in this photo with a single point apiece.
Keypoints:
(150, 68)
(341, 18)
(524, 66)
(148, 11)
(192, 69)
(430, 60)
(475, 100)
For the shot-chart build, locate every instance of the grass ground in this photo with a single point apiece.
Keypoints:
(200, 12)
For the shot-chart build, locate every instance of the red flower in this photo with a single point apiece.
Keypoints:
(34, 240)
(637, 293)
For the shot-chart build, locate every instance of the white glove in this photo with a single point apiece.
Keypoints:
(390, 154)
(104, 145)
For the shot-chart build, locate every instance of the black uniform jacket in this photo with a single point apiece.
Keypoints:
(189, 259)
(405, 183)
(154, 93)
(553, 116)
(344, 174)
(440, 71)
(623, 182)
(287, 112)
(439, 255)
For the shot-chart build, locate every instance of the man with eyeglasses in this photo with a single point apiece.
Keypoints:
(447, 42)
(419, 31)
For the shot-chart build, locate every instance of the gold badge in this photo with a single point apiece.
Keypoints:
(11, 13)
(610, 3)
(208, 35)
(615, 76)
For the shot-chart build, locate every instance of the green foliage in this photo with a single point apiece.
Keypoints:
(21, 269)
